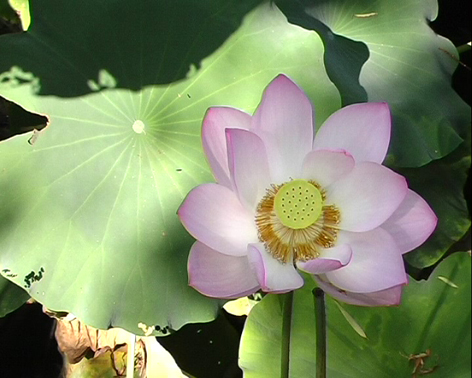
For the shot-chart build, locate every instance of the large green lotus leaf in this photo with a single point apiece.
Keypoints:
(385, 51)
(434, 315)
(88, 205)
(11, 296)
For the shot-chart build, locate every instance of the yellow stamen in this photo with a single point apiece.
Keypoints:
(284, 238)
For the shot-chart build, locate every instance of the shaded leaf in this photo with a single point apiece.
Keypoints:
(406, 65)
(11, 296)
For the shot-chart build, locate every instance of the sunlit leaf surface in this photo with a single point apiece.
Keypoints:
(433, 316)
(88, 205)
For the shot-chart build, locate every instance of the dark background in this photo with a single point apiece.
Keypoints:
(28, 348)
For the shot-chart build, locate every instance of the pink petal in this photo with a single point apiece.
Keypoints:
(387, 297)
(248, 166)
(412, 223)
(273, 276)
(217, 275)
(363, 130)
(325, 167)
(213, 214)
(376, 264)
(214, 139)
(284, 121)
(330, 259)
(367, 196)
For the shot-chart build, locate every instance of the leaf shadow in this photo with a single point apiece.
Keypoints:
(73, 50)
(343, 57)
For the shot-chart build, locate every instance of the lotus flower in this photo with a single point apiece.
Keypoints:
(286, 201)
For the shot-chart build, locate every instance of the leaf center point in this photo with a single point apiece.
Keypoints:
(138, 126)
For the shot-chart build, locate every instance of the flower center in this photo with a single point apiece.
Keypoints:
(294, 222)
(298, 204)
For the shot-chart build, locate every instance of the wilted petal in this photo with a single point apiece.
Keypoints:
(248, 165)
(217, 275)
(363, 130)
(367, 196)
(387, 297)
(284, 121)
(330, 259)
(376, 263)
(325, 167)
(216, 121)
(213, 214)
(412, 223)
(273, 276)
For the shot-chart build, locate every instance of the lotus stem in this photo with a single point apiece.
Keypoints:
(286, 330)
(320, 322)
(464, 48)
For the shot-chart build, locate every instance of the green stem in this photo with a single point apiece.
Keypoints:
(463, 48)
(320, 313)
(286, 329)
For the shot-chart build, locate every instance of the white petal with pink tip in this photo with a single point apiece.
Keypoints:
(330, 259)
(367, 196)
(325, 167)
(363, 130)
(217, 275)
(216, 121)
(248, 166)
(412, 223)
(273, 276)
(213, 214)
(376, 263)
(284, 121)
(387, 297)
